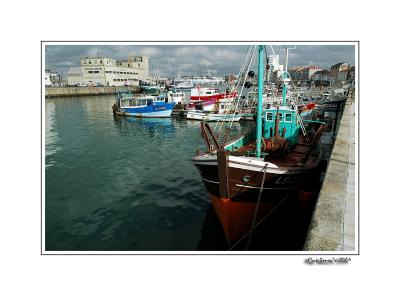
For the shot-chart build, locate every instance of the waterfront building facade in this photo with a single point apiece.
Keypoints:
(303, 73)
(321, 77)
(335, 70)
(275, 69)
(109, 72)
(74, 76)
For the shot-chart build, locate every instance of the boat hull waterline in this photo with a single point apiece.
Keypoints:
(154, 111)
(245, 175)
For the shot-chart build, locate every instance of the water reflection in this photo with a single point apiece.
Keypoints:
(51, 135)
(121, 183)
(153, 126)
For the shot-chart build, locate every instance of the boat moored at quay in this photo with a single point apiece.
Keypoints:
(142, 106)
(252, 175)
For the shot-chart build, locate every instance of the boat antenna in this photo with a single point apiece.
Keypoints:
(285, 75)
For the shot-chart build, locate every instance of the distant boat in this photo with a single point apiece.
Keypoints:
(176, 97)
(206, 99)
(179, 98)
(181, 85)
(223, 110)
(151, 89)
(143, 106)
(205, 116)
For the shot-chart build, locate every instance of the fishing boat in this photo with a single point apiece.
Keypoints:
(209, 93)
(206, 98)
(142, 106)
(210, 117)
(181, 85)
(176, 97)
(252, 175)
(151, 89)
(223, 110)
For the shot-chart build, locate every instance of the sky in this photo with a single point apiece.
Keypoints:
(196, 59)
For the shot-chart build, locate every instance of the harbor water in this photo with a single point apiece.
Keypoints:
(121, 184)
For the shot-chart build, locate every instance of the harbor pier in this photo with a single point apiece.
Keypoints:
(52, 92)
(332, 226)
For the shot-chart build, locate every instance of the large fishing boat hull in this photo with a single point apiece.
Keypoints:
(236, 198)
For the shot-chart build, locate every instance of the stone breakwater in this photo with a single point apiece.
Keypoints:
(52, 92)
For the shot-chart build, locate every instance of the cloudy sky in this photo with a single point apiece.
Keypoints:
(195, 59)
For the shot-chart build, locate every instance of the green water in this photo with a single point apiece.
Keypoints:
(120, 184)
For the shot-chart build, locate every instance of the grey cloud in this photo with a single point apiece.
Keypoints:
(191, 59)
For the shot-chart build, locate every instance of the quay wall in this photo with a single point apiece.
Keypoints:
(332, 226)
(51, 92)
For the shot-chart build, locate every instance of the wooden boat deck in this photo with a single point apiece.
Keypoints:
(292, 158)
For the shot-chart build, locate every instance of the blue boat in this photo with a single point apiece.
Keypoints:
(142, 106)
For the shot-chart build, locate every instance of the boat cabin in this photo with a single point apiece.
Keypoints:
(283, 121)
(176, 97)
(140, 101)
(203, 91)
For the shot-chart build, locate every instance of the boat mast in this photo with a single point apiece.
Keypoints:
(259, 101)
(286, 76)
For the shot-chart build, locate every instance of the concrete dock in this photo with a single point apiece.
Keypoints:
(51, 92)
(332, 226)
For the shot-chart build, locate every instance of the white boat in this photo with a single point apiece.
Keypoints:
(177, 97)
(205, 116)
(181, 84)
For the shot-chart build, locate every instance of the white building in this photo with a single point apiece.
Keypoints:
(109, 72)
(74, 76)
(47, 80)
(52, 78)
(275, 69)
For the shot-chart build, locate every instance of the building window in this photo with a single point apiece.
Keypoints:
(101, 62)
(95, 71)
(269, 116)
(90, 62)
(90, 71)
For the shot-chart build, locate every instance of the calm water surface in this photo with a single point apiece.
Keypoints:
(121, 183)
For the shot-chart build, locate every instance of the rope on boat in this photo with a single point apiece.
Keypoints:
(303, 129)
(242, 68)
(257, 206)
(249, 59)
(263, 219)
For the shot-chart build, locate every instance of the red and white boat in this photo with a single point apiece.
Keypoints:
(205, 98)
